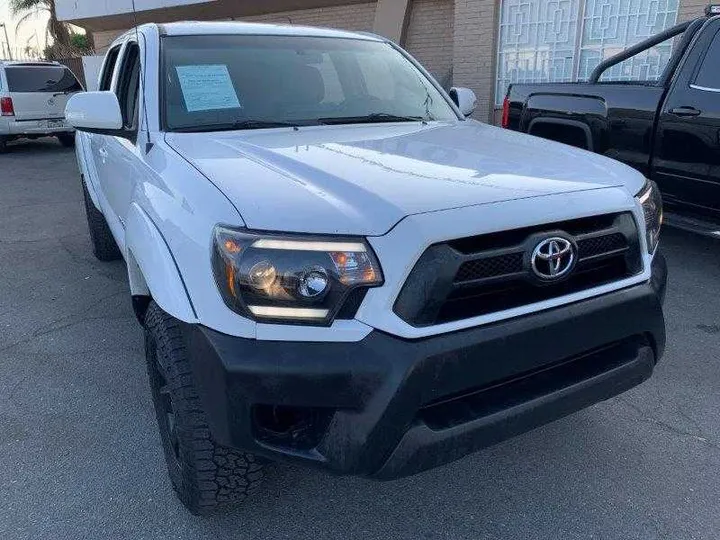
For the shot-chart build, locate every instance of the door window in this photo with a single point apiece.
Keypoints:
(129, 85)
(708, 76)
(108, 69)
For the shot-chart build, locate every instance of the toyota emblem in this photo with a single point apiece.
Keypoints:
(553, 258)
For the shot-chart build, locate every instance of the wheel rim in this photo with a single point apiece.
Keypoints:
(165, 412)
(169, 413)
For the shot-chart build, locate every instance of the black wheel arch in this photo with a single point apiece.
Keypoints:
(577, 125)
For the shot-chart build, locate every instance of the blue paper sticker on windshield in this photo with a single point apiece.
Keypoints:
(207, 88)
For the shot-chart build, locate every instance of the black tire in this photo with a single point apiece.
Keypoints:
(67, 140)
(204, 474)
(3, 146)
(104, 246)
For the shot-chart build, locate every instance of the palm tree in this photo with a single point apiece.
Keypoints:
(58, 31)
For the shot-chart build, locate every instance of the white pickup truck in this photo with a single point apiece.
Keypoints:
(335, 267)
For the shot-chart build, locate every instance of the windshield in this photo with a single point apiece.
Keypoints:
(245, 82)
(41, 79)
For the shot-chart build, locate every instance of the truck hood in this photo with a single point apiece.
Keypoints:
(363, 179)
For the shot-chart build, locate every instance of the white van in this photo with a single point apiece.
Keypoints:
(33, 96)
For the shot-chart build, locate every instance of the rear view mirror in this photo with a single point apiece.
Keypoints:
(464, 98)
(95, 112)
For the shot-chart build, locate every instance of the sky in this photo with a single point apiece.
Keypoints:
(30, 33)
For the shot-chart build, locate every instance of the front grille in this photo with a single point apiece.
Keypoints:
(601, 245)
(484, 274)
(492, 266)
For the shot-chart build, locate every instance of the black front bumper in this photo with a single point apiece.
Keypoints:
(387, 407)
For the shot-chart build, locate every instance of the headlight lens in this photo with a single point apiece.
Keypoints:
(651, 201)
(290, 279)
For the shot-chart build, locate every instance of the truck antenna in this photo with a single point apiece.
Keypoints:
(148, 142)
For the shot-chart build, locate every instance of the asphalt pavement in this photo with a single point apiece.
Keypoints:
(80, 456)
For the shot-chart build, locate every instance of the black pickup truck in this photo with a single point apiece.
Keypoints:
(669, 128)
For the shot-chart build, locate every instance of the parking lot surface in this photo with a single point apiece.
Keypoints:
(80, 456)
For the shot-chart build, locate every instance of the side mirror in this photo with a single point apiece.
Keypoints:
(95, 112)
(464, 98)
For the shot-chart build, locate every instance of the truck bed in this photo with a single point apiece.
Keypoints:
(615, 120)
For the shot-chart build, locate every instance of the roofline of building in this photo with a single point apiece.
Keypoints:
(217, 10)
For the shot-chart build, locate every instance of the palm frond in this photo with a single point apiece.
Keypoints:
(57, 31)
(25, 18)
(20, 6)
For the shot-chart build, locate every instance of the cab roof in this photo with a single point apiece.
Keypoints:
(193, 28)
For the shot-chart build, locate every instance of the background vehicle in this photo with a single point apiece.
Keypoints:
(33, 96)
(336, 268)
(668, 128)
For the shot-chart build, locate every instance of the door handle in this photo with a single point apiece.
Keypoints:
(685, 111)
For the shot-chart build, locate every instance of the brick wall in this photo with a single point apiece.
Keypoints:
(474, 52)
(691, 9)
(358, 17)
(429, 36)
(104, 39)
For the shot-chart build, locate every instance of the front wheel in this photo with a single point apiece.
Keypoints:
(203, 473)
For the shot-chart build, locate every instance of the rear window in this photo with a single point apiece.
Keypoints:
(41, 79)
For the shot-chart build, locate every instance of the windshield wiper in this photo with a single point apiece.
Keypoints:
(373, 118)
(240, 124)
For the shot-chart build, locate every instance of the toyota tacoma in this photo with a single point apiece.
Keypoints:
(335, 267)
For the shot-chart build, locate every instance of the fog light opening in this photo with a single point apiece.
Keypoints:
(299, 428)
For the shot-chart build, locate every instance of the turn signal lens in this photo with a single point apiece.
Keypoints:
(291, 279)
(232, 247)
(506, 112)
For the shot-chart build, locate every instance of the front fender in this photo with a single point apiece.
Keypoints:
(152, 270)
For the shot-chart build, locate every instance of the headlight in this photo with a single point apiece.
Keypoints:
(651, 201)
(290, 279)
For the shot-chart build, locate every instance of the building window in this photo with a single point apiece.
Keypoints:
(563, 40)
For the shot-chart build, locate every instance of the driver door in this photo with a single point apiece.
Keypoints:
(686, 163)
(122, 159)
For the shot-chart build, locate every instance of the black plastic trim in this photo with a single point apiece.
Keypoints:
(589, 145)
(439, 289)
